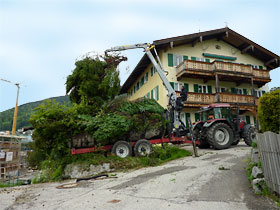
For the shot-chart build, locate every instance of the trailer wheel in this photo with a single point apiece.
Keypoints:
(220, 136)
(122, 149)
(143, 148)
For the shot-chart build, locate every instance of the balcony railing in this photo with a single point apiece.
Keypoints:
(261, 73)
(204, 68)
(206, 98)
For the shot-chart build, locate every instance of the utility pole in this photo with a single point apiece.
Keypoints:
(16, 108)
(15, 113)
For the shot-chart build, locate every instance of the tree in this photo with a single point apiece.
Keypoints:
(93, 82)
(269, 111)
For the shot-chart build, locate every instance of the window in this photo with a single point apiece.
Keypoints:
(202, 89)
(177, 86)
(137, 86)
(142, 82)
(259, 93)
(153, 70)
(257, 67)
(239, 91)
(147, 95)
(155, 93)
(222, 89)
(177, 59)
(200, 59)
(146, 77)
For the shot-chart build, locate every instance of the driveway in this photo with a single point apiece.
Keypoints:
(215, 180)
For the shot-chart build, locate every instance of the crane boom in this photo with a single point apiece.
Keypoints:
(175, 110)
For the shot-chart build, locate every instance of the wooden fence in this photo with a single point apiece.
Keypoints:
(269, 148)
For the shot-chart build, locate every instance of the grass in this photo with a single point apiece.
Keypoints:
(53, 170)
(2, 185)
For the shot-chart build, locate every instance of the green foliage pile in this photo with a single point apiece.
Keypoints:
(93, 82)
(269, 111)
(24, 113)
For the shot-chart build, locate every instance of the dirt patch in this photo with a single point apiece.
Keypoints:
(146, 177)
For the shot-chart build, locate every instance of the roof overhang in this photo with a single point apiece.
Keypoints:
(270, 60)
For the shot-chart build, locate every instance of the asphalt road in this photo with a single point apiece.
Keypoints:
(187, 183)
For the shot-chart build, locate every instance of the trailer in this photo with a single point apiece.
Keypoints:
(141, 147)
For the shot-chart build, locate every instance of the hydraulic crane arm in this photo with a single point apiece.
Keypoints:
(174, 110)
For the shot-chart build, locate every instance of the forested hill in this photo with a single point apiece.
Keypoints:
(24, 113)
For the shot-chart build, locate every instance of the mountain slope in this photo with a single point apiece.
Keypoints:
(24, 113)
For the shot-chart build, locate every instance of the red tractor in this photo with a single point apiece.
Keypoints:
(220, 127)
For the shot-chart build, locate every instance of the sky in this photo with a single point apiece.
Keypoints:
(41, 40)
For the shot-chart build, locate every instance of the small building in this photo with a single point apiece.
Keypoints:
(214, 66)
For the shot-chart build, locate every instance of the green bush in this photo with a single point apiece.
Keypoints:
(269, 111)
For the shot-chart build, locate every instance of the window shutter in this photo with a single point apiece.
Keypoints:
(148, 95)
(185, 58)
(142, 81)
(195, 87)
(170, 60)
(152, 71)
(186, 87)
(134, 89)
(209, 88)
(193, 58)
(207, 60)
(263, 92)
(260, 67)
(172, 85)
(233, 90)
(244, 91)
(248, 121)
(157, 93)
(188, 115)
(152, 94)
(197, 117)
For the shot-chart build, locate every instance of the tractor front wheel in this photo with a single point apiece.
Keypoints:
(220, 136)
(250, 136)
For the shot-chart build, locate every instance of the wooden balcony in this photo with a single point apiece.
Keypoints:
(202, 99)
(239, 73)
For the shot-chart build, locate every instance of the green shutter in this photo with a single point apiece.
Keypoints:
(186, 87)
(244, 91)
(260, 67)
(207, 60)
(170, 60)
(233, 90)
(187, 116)
(193, 58)
(195, 87)
(157, 93)
(197, 117)
(185, 58)
(152, 72)
(142, 81)
(172, 85)
(134, 89)
(148, 95)
(152, 94)
(209, 88)
(263, 92)
(248, 120)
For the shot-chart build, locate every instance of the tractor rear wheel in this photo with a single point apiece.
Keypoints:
(143, 148)
(122, 149)
(220, 136)
(250, 136)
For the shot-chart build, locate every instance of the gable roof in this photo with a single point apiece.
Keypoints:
(270, 59)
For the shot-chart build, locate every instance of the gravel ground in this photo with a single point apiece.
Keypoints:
(187, 183)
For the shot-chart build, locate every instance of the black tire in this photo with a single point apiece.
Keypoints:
(250, 136)
(220, 136)
(122, 149)
(143, 148)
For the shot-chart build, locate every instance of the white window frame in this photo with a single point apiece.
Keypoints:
(155, 96)
(220, 89)
(200, 87)
(178, 85)
(239, 91)
(177, 59)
